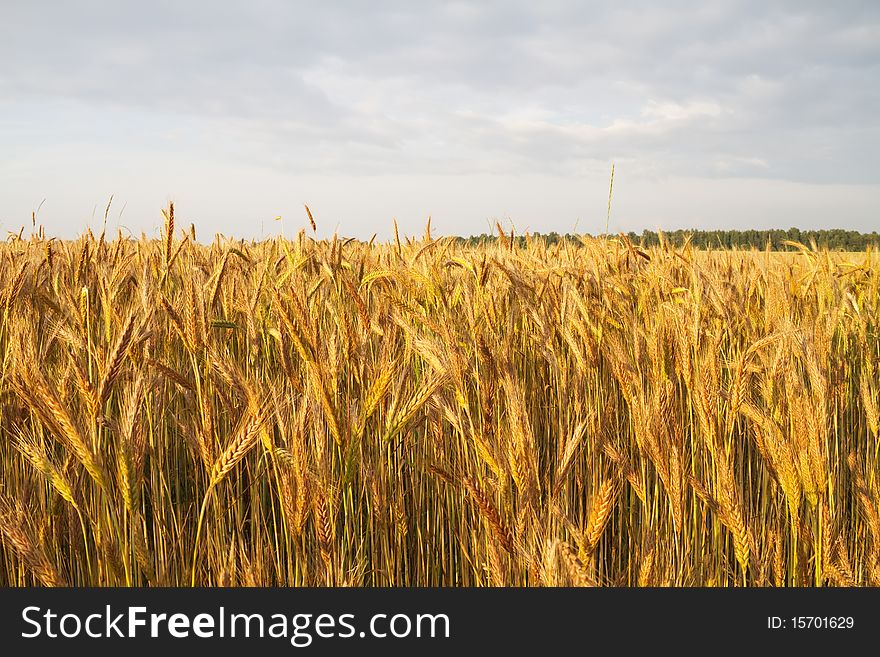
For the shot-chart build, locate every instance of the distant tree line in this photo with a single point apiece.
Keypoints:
(835, 239)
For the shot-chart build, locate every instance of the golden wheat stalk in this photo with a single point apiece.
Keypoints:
(44, 401)
(245, 438)
(115, 361)
(575, 567)
(14, 527)
(489, 512)
(600, 512)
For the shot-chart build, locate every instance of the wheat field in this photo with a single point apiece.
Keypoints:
(302, 412)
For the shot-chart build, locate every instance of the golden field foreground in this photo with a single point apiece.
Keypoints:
(294, 412)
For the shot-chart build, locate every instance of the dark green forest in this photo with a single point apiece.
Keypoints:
(835, 239)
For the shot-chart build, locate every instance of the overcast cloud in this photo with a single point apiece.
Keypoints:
(717, 115)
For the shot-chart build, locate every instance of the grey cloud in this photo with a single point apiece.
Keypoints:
(779, 90)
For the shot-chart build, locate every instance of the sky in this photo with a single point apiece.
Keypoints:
(731, 114)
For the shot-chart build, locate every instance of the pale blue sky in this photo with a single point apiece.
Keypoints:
(717, 115)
